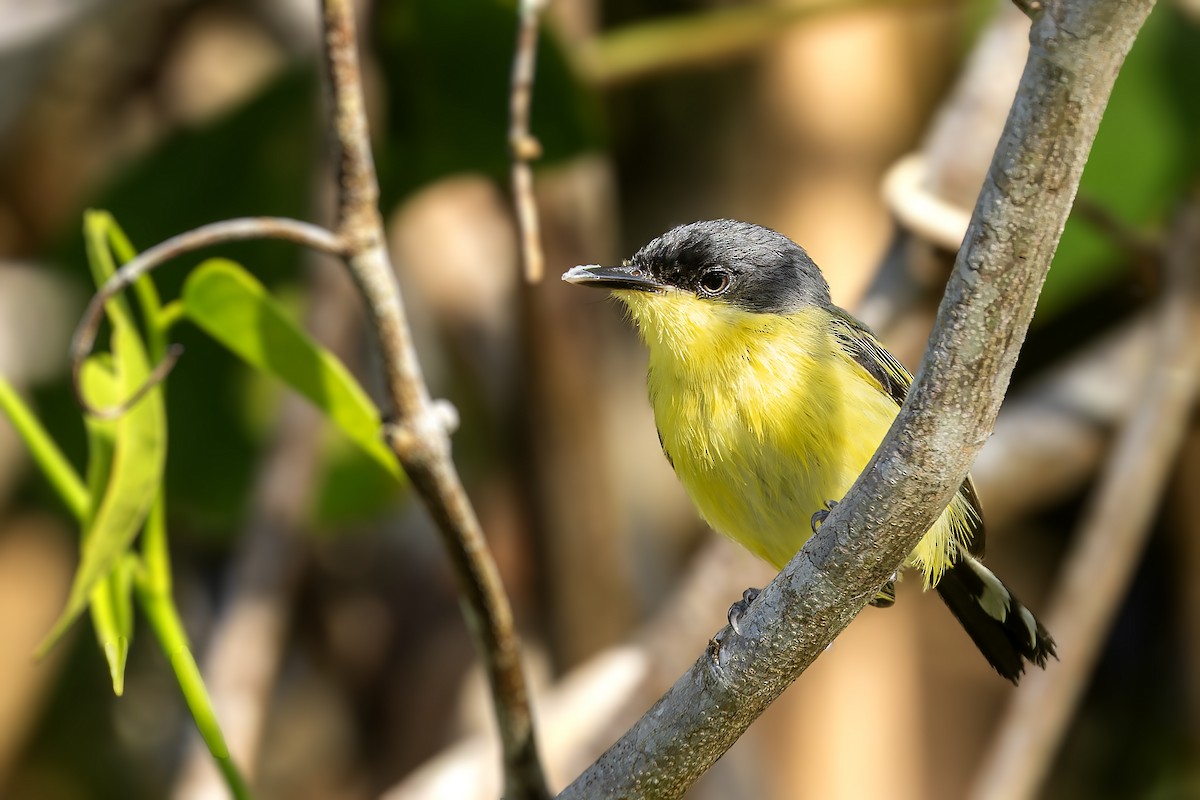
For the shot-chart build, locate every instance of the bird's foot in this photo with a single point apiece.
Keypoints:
(738, 609)
(822, 515)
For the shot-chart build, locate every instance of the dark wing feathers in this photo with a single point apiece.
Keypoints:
(894, 380)
(857, 340)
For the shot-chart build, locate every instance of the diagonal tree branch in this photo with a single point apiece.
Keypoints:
(420, 434)
(1077, 48)
(1057, 430)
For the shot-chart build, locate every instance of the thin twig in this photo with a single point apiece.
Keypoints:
(1113, 534)
(523, 147)
(419, 436)
(230, 230)
(1076, 50)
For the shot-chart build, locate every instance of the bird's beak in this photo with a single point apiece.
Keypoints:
(623, 277)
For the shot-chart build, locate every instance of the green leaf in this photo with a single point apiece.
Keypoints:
(138, 457)
(99, 382)
(264, 146)
(125, 464)
(112, 617)
(230, 305)
(111, 609)
(1154, 112)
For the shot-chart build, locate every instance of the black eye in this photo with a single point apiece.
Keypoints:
(714, 282)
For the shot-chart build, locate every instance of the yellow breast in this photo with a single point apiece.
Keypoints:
(765, 419)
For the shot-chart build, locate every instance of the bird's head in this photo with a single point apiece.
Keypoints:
(703, 278)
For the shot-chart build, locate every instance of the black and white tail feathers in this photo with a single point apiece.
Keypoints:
(1003, 629)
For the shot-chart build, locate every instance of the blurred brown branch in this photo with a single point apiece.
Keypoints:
(1077, 50)
(420, 433)
(1112, 534)
(931, 192)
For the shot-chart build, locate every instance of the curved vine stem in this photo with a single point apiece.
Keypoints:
(230, 230)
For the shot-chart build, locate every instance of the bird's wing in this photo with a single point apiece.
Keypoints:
(894, 380)
(857, 340)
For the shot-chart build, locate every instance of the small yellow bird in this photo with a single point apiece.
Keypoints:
(770, 400)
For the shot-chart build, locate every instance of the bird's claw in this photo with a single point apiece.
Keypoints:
(738, 609)
(822, 515)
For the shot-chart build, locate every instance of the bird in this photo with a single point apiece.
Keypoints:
(770, 400)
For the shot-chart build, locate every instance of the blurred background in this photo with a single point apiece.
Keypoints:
(315, 591)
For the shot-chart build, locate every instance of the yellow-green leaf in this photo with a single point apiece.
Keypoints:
(138, 456)
(112, 617)
(230, 305)
(111, 600)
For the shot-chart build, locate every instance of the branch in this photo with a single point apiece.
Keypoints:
(1113, 534)
(921, 210)
(419, 436)
(522, 145)
(1076, 51)
(1056, 430)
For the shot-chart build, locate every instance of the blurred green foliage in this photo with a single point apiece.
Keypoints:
(446, 68)
(1144, 159)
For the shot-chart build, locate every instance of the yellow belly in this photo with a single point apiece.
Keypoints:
(766, 424)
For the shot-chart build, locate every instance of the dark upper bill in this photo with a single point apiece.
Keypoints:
(623, 277)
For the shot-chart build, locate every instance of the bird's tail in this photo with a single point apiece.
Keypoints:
(1003, 629)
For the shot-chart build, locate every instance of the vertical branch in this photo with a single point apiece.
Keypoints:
(523, 146)
(420, 434)
(1100, 568)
